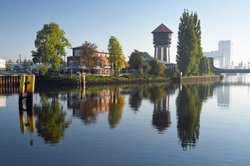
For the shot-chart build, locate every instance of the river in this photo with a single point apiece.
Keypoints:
(152, 124)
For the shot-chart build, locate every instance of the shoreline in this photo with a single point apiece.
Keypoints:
(197, 79)
(100, 80)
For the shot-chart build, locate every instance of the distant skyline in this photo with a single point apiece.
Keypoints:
(130, 21)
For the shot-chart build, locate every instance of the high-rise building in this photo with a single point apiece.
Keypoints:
(225, 50)
(222, 57)
(162, 41)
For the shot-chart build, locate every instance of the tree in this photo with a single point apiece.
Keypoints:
(89, 50)
(156, 67)
(26, 63)
(189, 50)
(50, 46)
(8, 64)
(135, 60)
(117, 58)
(204, 66)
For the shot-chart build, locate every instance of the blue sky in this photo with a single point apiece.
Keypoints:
(131, 21)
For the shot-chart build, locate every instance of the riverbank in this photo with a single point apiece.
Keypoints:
(92, 80)
(196, 79)
(96, 80)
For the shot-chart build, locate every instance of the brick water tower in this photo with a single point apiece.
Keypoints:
(162, 41)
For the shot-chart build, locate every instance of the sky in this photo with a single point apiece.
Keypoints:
(130, 21)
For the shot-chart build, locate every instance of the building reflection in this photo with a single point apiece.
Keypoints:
(159, 95)
(2, 101)
(223, 96)
(89, 105)
(188, 105)
(161, 114)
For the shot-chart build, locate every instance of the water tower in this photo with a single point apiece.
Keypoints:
(162, 41)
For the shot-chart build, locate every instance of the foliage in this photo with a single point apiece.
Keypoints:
(50, 46)
(204, 66)
(189, 50)
(89, 50)
(43, 69)
(26, 63)
(156, 67)
(117, 58)
(8, 64)
(135, 60)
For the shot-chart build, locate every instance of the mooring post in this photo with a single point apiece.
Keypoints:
(22, 85)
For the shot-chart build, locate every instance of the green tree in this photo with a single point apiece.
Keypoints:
(204, 66)
(50, 46)
(199, 54)
(117, 58)
(8, 64)
(135, 60)
(43, 69)
(156, 67)
(26, 64)
(189, 50)
(89, 50)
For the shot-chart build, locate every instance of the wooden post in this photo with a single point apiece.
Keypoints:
(31, 84)
(22, 85)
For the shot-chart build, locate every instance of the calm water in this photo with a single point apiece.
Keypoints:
(205, 124)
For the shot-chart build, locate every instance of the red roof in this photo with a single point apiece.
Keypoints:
(162, 28)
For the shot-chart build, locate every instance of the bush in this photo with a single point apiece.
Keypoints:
(43, 69)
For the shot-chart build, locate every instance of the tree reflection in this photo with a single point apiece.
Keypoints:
(116, 107)
(189, 104)
(51, 121)
(135, 99)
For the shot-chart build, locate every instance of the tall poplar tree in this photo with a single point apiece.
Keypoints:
(189, 50)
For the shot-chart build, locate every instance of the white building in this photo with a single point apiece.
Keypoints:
(2, 64)
(222, 57)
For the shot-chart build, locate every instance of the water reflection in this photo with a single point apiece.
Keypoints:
(161, 114)
(223, 96)
(135, 98)
(157, 94)
(96, 101)
(116, 108)
(28, 122)
(2, 101)
(87, 105)
(188, 105)
(51, 119)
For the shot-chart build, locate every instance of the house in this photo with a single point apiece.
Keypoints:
(102, 61)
